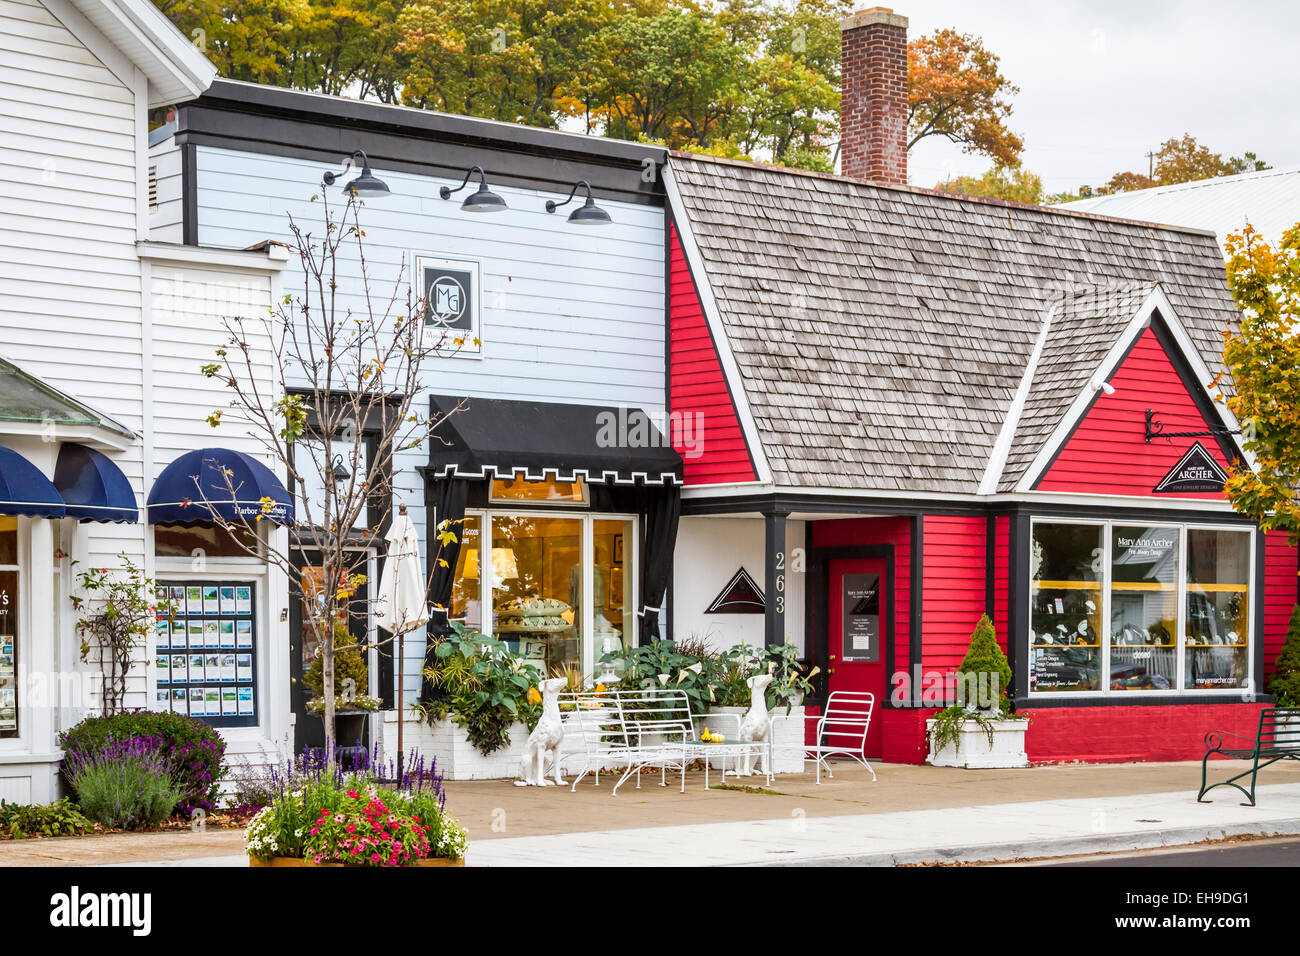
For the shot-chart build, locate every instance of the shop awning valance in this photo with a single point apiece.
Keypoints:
(217, 481)
(24, 490)
(502, 438)
(93, 487)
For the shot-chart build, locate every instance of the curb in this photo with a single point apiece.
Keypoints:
(1041, 849)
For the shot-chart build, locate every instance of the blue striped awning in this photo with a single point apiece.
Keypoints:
(24, 490)
(211, 483)
(93, 487)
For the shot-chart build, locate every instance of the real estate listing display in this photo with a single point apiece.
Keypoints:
(205, 650)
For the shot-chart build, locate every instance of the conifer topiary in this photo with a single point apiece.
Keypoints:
(985, 657)
(1284, 685)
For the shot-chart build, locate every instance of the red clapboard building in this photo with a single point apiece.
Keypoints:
(974, 407)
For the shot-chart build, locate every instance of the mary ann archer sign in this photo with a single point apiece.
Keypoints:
(1196, 471)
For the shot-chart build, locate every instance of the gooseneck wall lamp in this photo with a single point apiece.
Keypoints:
(482, 199)
(366, 185)
(588, 214)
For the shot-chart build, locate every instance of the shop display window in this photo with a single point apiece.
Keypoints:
(557, 589)
(205, 651)
(539, 492)
(1065, 607)
(9, 610)
(1171, 601)
(1216, 649)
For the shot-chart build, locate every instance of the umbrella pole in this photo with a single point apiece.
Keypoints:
(401, 717)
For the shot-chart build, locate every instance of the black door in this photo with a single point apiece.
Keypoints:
(309, 729)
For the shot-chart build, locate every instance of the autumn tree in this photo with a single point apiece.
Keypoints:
(1184, 160)
(1126, 182)
(1012, 183)
(956, 91)
(1263, 359)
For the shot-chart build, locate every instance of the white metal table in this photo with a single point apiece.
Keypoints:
(730, 748)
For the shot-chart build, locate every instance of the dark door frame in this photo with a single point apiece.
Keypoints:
(817, 608)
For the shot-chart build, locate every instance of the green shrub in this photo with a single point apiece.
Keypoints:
(192, 752)
(124, 785)
(349, 664)
(1284, 685)
(985, 657)
(19, 821)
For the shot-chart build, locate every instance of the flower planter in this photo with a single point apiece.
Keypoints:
(787, 734)
(299, 861)
(456, 757)
(973, 751)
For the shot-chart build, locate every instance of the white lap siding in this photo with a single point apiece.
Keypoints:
(569, 314)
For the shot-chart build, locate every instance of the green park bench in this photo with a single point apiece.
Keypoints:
(1278, 738)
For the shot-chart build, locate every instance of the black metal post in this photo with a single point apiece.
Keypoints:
(774, 577)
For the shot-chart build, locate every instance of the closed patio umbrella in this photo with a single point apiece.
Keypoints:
(401, 605)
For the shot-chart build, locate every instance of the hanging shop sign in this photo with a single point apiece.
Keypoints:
(450, 292)
(861, 639)
(1196, 471)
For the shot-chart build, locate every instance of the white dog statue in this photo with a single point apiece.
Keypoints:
(545, 738)
(756, 724)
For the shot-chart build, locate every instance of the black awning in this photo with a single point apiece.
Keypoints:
(494, 437)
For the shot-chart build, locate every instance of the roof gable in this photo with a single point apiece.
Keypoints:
(881, 334)
(1107, 449)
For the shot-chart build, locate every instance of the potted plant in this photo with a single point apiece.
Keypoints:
(979, 730)
(484, 702)
(353, 706)
(349, 820)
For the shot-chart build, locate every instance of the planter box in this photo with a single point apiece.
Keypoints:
(282, 861)
(972, 750)
(787, 735)
(457, 758)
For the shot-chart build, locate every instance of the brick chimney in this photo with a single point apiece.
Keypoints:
(873, 99)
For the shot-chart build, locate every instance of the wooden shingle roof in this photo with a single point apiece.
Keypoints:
(881, 333)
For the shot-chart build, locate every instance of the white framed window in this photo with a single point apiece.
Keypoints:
(560, 588)
(1119, 608)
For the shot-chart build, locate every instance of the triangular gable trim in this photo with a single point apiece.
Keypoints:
(1155, 306)
(740, 596)
(1196, 471)
(712, 316)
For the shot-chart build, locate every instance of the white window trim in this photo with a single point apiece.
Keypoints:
(632, 568)
(1179, 692)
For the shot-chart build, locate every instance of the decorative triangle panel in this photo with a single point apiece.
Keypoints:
(1196, 471)
(740, 596)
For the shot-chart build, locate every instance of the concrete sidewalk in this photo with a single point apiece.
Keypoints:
(991, 832)
(909, 815)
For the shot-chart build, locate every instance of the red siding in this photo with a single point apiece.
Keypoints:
(1108, 452)
(883, 531)
(1001, 577)
(697, 385)
(1133, 732)
(1279, 595)
(955, 552)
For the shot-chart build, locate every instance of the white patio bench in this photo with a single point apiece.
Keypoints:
(842, 730)
(628, 731)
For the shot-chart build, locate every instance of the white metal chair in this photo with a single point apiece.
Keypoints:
(627, 731)
(845, 718)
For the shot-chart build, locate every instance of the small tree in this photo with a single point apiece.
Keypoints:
(1284, 685)
(1263, 359)
(117, 610)
(338, 375)
(985, 665)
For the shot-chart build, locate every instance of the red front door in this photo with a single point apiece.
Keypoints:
(857, 615)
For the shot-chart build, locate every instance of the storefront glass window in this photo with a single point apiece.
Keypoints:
(1218, 609)
(539, 492)
(466, 593)
(207, 540)
(1172, 600)
(9, 596)
(1066, 565)
(1144, 608)
(613, 604)
(537, 591)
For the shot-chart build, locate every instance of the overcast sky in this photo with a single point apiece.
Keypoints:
(1102, 82)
